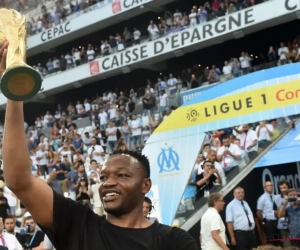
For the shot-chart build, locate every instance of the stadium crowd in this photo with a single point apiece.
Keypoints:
(168, 23)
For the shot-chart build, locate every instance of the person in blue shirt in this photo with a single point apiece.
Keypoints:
(292, 213)
(189, 194)
(240, 222)
(266, 213)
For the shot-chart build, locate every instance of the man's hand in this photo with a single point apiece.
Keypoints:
(3, 54)
(233, 241)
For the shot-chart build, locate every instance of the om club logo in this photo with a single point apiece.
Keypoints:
(168, 160)
(192, 115)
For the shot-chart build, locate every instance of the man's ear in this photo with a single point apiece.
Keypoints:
(147, 184)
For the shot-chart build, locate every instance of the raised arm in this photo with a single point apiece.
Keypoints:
(34, 193)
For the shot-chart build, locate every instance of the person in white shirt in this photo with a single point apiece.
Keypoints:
(177, 16)
(136, 130)
(41, 157)
(136, 36)
(76, 57)
(198, 165)
(112, 112)
(172, 83)
(229, 154)
(94, 184)
(163, 101)
(111, 133)
(248, 139)
(8, 240)
(56, 64)
(245, 63)
(90, 53)
(103, 119)
(264, 133)
(193, 18)
(283, 53)
(96, 152)
(227, 71)
(153, 31)
(212, 235)
(69, 60)
(212, 156)
(78, 106)
(87, 105)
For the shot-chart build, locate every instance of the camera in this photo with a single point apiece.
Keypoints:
(292, 199)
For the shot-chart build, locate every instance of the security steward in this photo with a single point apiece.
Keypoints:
(240, 222)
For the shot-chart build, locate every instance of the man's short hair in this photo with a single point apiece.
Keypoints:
(142, 159)
(9, 217)
(93, 161)
(214, 197)
(225, 137)
(206, 161)
(28, 218)
(282, 182)
(292, 190)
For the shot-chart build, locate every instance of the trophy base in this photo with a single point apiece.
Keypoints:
(20, 83)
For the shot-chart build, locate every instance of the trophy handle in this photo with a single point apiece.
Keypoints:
(20, 83)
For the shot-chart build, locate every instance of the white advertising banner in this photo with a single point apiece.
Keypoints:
(83, 21)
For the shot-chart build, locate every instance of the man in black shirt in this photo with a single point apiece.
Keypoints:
(33, 238)
(125, 179)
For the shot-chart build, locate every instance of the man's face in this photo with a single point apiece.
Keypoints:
(146, 208)
(269, 187)
(31, 223)
(93, 141)
(206, 148)
(10, 225)
(207, 166)
(245, 128)
(237, 142)
(81, 168)
(226, 142)
(239, 194)
(94, 165)
(220, 204)
(122, 185)
(283, 188)
(212, 156)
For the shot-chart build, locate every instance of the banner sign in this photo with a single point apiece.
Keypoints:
(215, 28)
(223, 109)
(190, 94)
(81, 20)
(55, 32)
(170, 170)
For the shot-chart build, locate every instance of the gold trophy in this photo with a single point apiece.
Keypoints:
(20, 82)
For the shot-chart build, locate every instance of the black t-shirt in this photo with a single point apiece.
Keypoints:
(30, 241)
(210, 182)
(77, 227)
